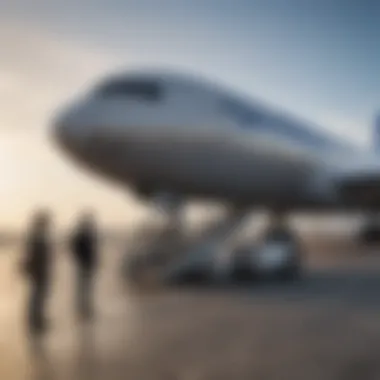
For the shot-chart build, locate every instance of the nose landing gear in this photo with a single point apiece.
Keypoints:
(370, 233)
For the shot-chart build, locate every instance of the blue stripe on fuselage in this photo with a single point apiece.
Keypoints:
(256, 120)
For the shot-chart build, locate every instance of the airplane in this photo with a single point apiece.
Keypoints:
(172, 136)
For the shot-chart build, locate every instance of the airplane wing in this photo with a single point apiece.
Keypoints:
(358, 174)
(358, 179)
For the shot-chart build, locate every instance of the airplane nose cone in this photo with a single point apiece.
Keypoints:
(64, 130)
(70, 129)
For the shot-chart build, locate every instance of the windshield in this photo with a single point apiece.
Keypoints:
(140, 89)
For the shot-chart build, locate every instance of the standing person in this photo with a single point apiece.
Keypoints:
(37, 267)
(84, 246)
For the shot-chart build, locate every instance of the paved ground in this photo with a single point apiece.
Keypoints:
(326, 327)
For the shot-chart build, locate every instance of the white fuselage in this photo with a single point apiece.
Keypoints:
(160, 132)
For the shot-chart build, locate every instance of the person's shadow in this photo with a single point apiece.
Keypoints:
(42, 366)
(85, 364)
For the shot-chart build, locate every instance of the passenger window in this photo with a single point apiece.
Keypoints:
(241, 113)
(138, 89)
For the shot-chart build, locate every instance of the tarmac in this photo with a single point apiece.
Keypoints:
(325, 326)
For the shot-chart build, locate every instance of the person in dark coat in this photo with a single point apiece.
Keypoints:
(84, 247)
(37, 267)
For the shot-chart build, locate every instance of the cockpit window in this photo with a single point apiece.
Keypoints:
(137, 89)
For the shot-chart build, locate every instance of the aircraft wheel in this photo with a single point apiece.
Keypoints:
(292, 270)
(243, 268)
(279, 261)
(370, 234)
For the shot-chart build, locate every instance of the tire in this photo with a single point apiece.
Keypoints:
(292, 271)
(370, 235)
(243, 270)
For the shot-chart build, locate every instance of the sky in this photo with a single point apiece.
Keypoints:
(318, 59)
